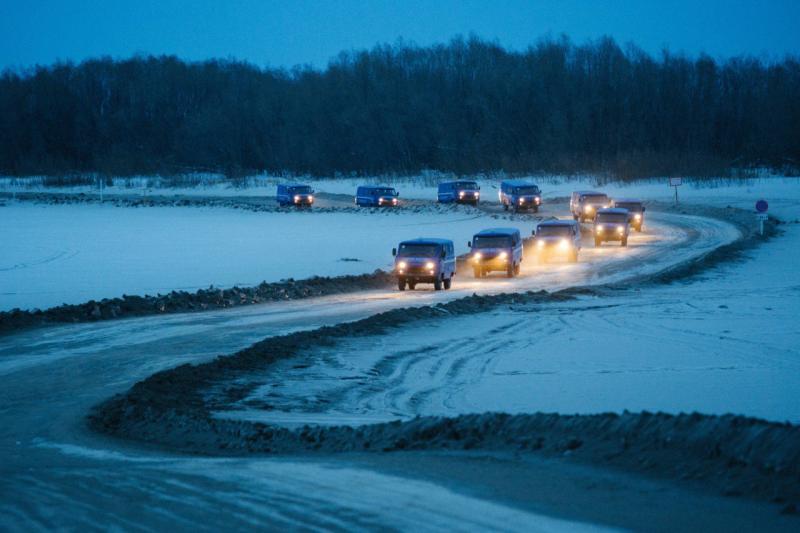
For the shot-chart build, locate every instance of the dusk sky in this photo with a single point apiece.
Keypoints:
(286, 33)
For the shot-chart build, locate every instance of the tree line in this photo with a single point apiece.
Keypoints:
(467, 106)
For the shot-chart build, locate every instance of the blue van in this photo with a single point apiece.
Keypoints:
(460, 192)
(376, 196)
(496, 249)
(425, 261)
(521, 195)
(295, 194)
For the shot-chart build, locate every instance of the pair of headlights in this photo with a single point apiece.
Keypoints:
(478, 256)
(430, 265)
(562, 244)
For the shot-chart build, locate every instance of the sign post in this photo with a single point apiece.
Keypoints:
(761, 214)
(675, 183)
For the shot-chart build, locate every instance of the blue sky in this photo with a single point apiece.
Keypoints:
(290, 32)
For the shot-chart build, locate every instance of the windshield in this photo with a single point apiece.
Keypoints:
(466, 185)
(300, 190)
(594, 198)
(526, 190)
(554, 231)
(612, 217)
(419, 250)
(492, 242)
(385, 192)
(630, 206)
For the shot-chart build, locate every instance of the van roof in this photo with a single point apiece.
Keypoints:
(590, 192)
(629, 200)
(497, 231)
(375, 187)
(427, 240)
(294, 185)
(519, 183)
(558, 223)
(453, 182)
(613, 211)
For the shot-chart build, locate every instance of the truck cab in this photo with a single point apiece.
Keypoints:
(636, 211)
(585, 204)
(557, 237)
(295, 194)
(520, 195)
(460, 192)
(376, 196)
(425, 261)
(496, 249)
(611, 224)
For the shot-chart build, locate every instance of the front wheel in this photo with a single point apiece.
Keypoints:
(597, 242)
(510, 271)
(625, 241)
(477, 271)
(447, 283)
(505, 207)
(412, 285)
(536, 209)
(516, 269)
(401, 284)
(437, 285)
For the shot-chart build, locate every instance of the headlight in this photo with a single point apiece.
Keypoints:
(537, 199)
(310, 198)
(394, 200)
(540, 244)
(637, 217)
(599, 229)
(588, 209)
(522, 200)
(478, 256)
(297, 198)
(503, 255)
(620, 229)
(563, 244)
(461, 194)
(477, 194)
(430, 265)
(402, 265)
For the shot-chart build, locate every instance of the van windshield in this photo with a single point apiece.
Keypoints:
(630, 206)
(419, 250)
(385, 192)
(619, 218)
(594, 198)
(491, 241)
(466, 185)
(526, 190)
(554, 231)
(304, 189)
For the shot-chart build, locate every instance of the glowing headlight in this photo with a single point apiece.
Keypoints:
(599, 229)
(522, 200)
(297, 198)
(540, 244)
(588, 209)
(394, 201)
(637, 217)
(430, 265)
(477, 194)
(310, 198)
(563, 244)
(477, 256)
(461, 194)
(537, 199)
(503, 255)
(402, 265)
(620, 229)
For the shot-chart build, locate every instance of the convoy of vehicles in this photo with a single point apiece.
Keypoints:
(611, 224)
(520, 195)
(460, 192)
(433, 260)
(585, 204)
(376, 196)
(295, 194)
(636, 211)
(496, 249)
(557, 238)
(425, 261)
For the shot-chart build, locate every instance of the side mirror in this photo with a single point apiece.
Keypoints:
(397, 193)
(533, 232)
(644, 209)
(443, 254)
(469, 244)
(394, 251)
(313, 191)
(479, 187)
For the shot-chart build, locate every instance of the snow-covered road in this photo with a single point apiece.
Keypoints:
(56, 474)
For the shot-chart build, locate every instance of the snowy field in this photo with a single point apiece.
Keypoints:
(74, 253)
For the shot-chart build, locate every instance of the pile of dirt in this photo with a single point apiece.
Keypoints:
(185, 302)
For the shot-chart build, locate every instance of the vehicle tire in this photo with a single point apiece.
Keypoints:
(536, 209)
(477, 272)
(505, 207)
(437, 285)
(516, 269)
(447, 283)
(401, 284)
(412, 285)
(510, 271)
(598, 242)
(625, 241)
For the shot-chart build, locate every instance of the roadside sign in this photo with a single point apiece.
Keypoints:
(762, 206)
(761, 214)
(675, 182)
